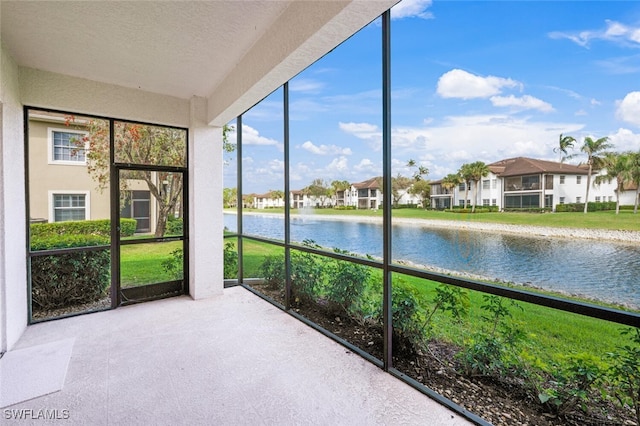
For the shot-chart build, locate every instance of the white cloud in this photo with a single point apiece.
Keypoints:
(411, 8)
(580, 113)
(365, 131)
(615, 32)
(367, 168)
(338, 165)
(595, 102)
(251, 136)
(521, 103)
(625, 140)
(325, 149)
(306, 85)
(464, 85)
(629, 108)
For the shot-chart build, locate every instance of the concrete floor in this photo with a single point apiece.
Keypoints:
(229, 360)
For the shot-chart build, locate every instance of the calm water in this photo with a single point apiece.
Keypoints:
(603, 270)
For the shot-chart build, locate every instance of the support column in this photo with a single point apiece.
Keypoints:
(206, 223)
(13, 268)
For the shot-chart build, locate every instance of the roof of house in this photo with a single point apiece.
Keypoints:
(523, 166)
(369, 183)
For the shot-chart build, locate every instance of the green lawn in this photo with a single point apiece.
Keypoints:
(626, 220)
(141, 264)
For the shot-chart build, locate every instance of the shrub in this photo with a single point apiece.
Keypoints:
(346, 284)
(175, 226)
(100, 227)
(571, 384)
(174, 265)
(492, 351)
(272, 269)
(68, 279)
(625, 371)
(230, 259)
(307, 274)
(591, 207)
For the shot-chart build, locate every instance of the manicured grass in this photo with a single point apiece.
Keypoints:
(626, 220)
(141, 264)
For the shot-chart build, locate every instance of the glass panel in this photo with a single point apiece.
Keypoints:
(264, 269)
(150, 145)
(336, 155)
(69, 209)
(455, 341)
(149, 263)
(343, 297)
(154, 200)
(263, 167)
(70, 283)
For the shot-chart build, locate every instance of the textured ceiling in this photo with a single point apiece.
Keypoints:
(175, 48)
(232, 52)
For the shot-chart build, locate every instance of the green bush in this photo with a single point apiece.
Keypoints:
(307, 274)
(493, 350)
(346, 284)
(272, 269)
(68, 279)
(571, 384)
(100, 227)
(174, 265)
(175, 226)
(591, 207)
(625, 371)
(230, 258)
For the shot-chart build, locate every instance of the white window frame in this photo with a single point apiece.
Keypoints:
(561, 200)
(578, 200)
(562, 179)
(578, 180)
(87, 202)
(486, 184)
(50, 158)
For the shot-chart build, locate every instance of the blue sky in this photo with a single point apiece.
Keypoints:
(470, 81)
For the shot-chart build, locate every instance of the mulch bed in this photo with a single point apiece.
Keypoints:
(500, 402)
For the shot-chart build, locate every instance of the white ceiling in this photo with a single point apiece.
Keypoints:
(175, 48)
(181, 48)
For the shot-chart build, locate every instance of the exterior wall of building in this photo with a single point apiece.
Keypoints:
(13, 267)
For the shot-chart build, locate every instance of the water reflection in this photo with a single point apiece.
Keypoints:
(598, 269)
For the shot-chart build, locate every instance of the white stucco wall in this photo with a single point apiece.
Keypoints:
(206, 220)
(13, 269)
(56, 91)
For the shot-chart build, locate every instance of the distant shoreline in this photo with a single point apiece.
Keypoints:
(531, 230)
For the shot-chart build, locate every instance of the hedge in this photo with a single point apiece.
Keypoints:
(100, 227)
(175, 226)
(591, 207)
(68, 279)
(77, 277)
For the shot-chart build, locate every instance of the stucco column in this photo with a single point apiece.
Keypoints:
(205, 204)
(13, 268)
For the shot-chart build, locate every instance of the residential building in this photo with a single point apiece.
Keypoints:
(526, 183)
(60, 186)
(269, 200)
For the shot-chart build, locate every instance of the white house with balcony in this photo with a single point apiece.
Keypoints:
(528, 183)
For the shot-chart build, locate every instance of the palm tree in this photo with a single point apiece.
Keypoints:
(449, 183)
(593, 149)
(565, 142)
(466, 174)
(617, 167)
(477, 170)
(634, 167)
